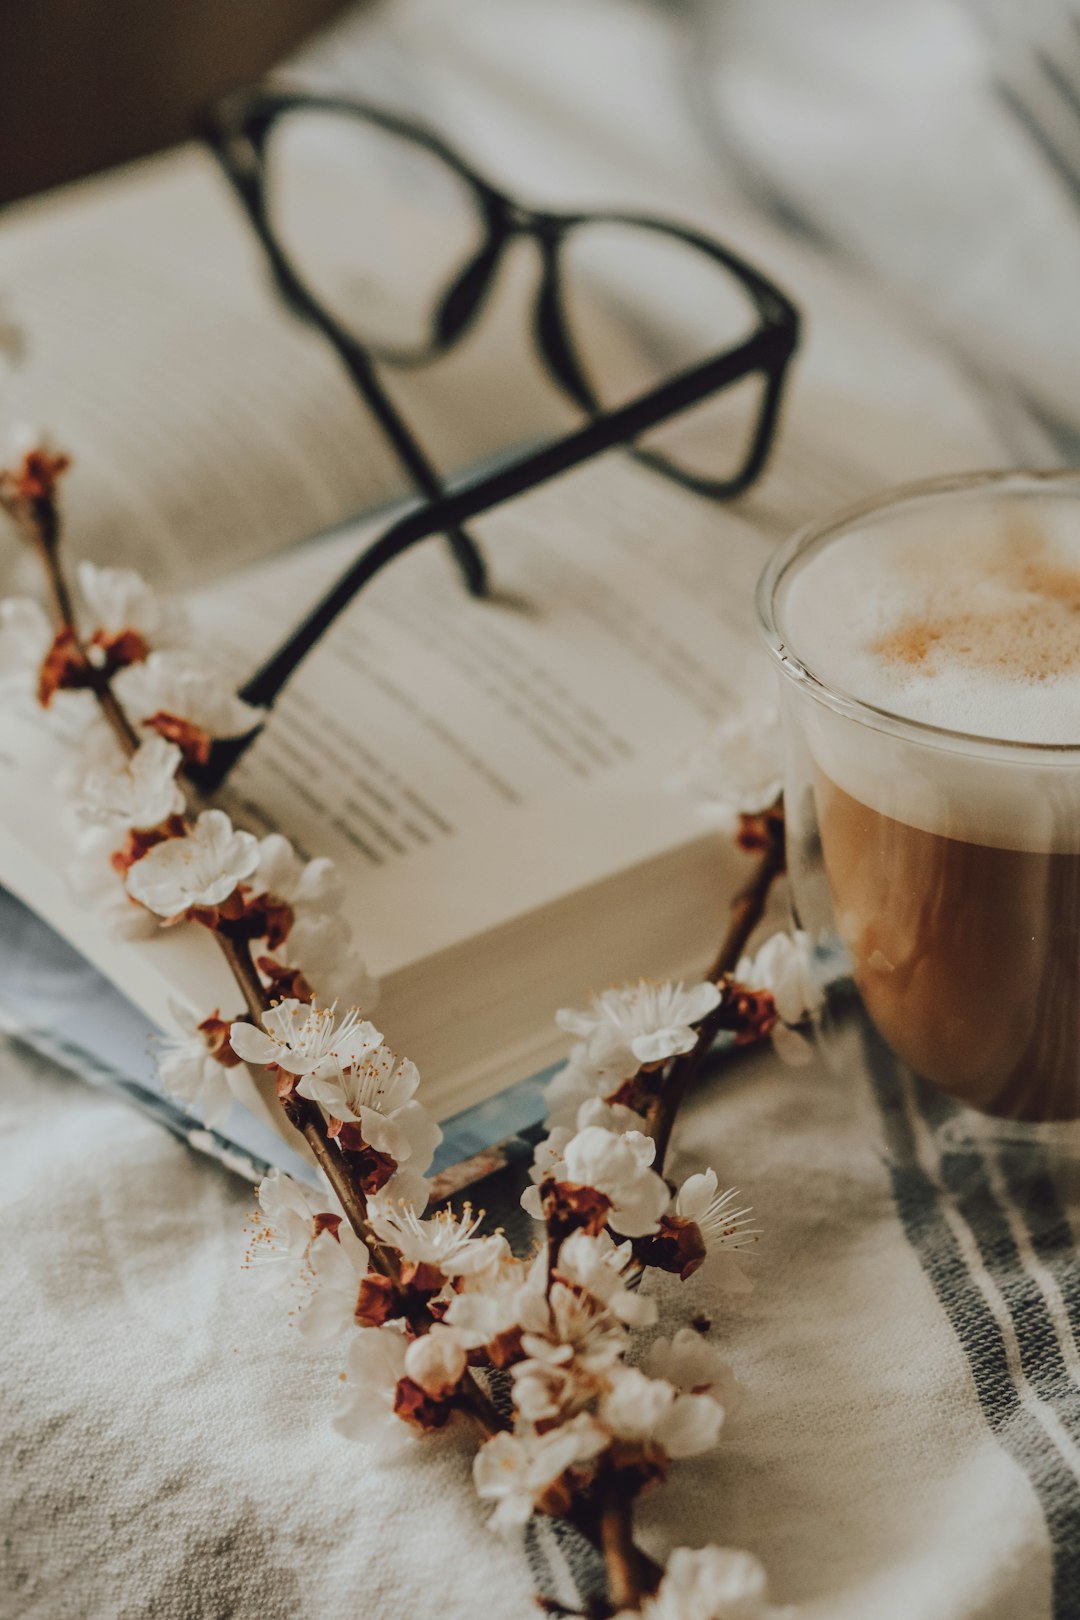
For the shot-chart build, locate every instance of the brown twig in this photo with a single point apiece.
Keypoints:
(477, 1402)
(40, 524)
(622, 1559)
(748, 906)
(306, 1117)
(238, 955)
(308, 1120)
(746, 912)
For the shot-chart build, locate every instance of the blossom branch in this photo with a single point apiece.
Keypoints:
(432, 1306)
(747, 910)
(307, 1119)
(305, 1116)
(29, 499)
(237, 952)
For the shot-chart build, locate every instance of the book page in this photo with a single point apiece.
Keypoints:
(469, 763)
(482, 758)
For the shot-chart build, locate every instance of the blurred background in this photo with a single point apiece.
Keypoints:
(937, 143)
(910, 174)
(85, 84)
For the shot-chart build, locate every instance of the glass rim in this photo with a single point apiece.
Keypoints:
(821, 531)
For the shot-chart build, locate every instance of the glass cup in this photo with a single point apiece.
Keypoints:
(936, 872)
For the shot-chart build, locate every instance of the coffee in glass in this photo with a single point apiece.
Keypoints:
(930, 644)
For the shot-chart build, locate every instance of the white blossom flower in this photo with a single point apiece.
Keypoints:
(25, 637)
(281, 1241)
(691, 1363)
(190, 1072)
(365, 1405)
(613, 1117)
(548, 1164)
(653, 1021)
(337, 1264)
(447, 1241)
(712, 1583)
(409, 1187)
(549, 1153)
(618, 1167)
(514, 1471)
(784, 967)
(547, 1391)
(436, 1362)
(639, 1196)
(492, 1297)
(319, 946)
(378, 1092)
(560, 1325)
(305, 1039)
(315, 886)
(651, 1410)
(596, 1265)
(96, 884)
(201, 869)
(724, 1227)
(138, 792)
(739, 768)
(120, 599)
(594, 1069)
(174, 683)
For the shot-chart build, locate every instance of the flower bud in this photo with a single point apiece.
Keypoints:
(436, 1362)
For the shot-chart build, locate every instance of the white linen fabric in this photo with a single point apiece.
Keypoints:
(166, 1434)
(911, 1442)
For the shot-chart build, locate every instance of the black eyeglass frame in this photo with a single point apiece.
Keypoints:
(237, 131)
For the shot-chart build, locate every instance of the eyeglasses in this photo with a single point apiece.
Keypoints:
(390, 244)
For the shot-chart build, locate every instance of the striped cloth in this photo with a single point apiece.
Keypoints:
(990, 1223)
(910, 1441)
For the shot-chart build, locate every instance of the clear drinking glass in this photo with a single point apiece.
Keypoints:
(937, 871)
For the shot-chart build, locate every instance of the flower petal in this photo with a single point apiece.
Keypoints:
(252, 1045)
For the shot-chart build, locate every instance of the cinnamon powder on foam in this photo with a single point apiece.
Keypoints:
(1013, 610)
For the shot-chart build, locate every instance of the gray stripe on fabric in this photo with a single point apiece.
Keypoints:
(1026, 1170)
(536, 1557)
(964, 1173)
(584, 1564)
(919, 1206)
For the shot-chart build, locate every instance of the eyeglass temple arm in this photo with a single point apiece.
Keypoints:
(467, 554)
(771, 347)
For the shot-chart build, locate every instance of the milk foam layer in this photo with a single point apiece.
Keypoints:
(964, 614)
(974, 626)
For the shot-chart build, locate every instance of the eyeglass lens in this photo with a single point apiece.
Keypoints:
(378, 227)
(375, 225)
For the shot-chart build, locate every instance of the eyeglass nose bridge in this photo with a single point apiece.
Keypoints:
(507, 220)
(517, 220)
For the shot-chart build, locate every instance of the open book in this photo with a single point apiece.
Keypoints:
(494, 778)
